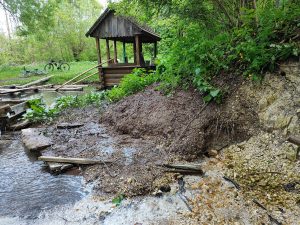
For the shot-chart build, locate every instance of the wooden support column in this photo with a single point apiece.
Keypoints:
(107, 51)
(138, 50)
(155, 50)
(124, 52)
(99, 58)
(115, 52)
(134, 52)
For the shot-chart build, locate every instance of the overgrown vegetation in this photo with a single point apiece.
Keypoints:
(132, 83)
(39, 112)
(204, 39)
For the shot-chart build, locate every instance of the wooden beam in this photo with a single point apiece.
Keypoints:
(82, 161)
(138, 50)
(124, 52)
(155, 50)
(98, 50)
(107, 51)
(36, 82)
(115, 52)
(134, 51)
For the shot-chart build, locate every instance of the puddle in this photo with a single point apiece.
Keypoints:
(49, 97)
(26, 188)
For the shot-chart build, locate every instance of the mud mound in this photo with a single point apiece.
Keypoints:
(184, 123)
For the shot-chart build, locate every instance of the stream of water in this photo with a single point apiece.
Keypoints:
(26, 188)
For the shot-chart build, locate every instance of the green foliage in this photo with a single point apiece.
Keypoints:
(39, 112)
(118, 200)
(202, 40)
(132, 83)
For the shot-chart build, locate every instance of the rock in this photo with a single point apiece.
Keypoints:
(165, 188)
(212, 153)
(34, 140)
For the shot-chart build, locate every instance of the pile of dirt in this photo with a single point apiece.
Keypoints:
(182, 122)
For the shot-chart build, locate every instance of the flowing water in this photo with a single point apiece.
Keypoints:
(26, 188)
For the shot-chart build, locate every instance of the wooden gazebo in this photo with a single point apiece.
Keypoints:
(111, 27)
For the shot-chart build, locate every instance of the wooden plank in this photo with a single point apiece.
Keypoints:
(81, 161)
(114, 76)
(19, 126)
(93, 74)
(69, 125)
(17, 110)
(40, 81)
(115, 81)
(115, 52)
(74, 78)
(117, 71)
(12, 102)
(10, 91)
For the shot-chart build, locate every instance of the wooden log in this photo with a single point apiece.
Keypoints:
(19, 126)
(40, 81)
(12, 101)
(63, 89)
(295, 140)
(69, 125)
(10, 91)
(86, 78)
(82, 161)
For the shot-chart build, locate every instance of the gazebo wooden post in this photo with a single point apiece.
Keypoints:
(134, 52)
(124, 52)
(99, 57)
(115, 52)
(138, 50)
(155, 50)
(107, 51)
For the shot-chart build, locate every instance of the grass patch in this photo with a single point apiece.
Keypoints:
(13, 74)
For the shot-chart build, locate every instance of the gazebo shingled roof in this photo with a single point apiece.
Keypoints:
(120, 28)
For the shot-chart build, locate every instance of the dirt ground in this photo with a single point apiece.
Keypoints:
(248, 131)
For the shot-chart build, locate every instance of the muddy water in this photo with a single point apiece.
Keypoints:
(26, 188)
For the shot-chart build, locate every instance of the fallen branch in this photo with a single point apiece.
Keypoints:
(82, 161)
(195, 167)
(237, 186)
(184, 171)
(271, 218)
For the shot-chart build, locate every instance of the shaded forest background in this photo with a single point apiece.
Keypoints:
(49, 30)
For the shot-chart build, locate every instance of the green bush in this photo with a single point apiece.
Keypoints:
(39, 112)
(132, 83)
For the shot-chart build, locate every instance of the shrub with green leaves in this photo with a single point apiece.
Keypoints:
(39, 112)
(132, 83)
